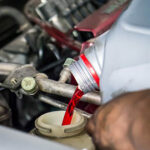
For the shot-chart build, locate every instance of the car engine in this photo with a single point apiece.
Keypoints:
(39, 41)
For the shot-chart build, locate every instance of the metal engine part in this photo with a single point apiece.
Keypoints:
(66, 90)
(66, 13)
(49, 40)
(43, 41)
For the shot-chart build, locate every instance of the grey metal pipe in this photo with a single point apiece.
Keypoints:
(65, 75)
(60, 105)
(66, 90)
(6, 68)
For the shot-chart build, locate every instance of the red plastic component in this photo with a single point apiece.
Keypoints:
(72, 104)
(86, 45)
(62, 39)
(90, 68)
(102, 19)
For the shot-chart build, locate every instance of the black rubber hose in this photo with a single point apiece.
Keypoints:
(15, 14)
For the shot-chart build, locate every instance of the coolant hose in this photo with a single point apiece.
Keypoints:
(15, 14)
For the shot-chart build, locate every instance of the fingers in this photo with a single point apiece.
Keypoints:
(110, 124)
(90, 127)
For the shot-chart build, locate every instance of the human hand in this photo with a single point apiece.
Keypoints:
(123, 123)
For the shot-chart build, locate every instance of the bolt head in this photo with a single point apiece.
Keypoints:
(14, 81)
(68, 62)
(28, 84)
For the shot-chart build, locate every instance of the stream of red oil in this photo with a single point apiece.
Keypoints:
(72, 104)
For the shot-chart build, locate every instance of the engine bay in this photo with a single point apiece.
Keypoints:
(38, 42)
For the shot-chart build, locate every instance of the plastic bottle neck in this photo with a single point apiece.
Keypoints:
(85, 74)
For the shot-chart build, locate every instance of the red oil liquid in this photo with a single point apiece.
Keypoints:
(70, 108)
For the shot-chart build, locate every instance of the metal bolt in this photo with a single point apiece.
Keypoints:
(14, 81)
(53, 39)
(29, 85)
(68, 62)
(75, 33)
